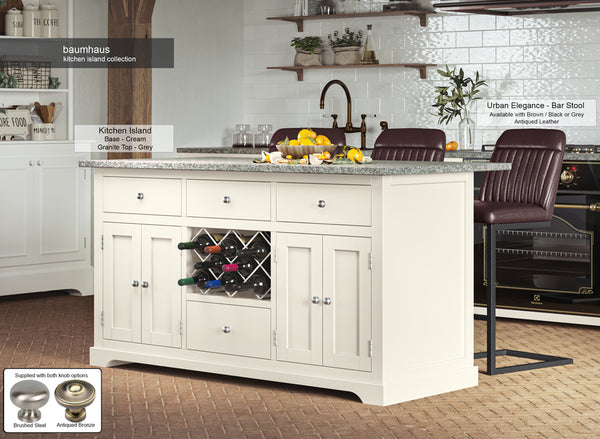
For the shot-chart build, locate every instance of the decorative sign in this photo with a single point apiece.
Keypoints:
(14, 122)
(536, 113)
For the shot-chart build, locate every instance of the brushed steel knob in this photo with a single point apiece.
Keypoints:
(226, 200)
(226, 329)
(321, 204)
(140, 196)
(145, 284)
(316, 299)
(75, 396)
(29, 396)
(135, 283)
(40, 163)
(327, 301)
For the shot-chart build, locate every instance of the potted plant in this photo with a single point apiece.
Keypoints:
(453, 101)
(346, 47)
(308, 51)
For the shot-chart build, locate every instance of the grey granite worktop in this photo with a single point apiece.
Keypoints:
(244, 164)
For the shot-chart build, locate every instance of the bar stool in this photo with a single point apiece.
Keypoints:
(520, 198)
(336, 135)
(410, 144)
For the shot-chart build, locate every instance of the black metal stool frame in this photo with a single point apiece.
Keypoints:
(492, 353)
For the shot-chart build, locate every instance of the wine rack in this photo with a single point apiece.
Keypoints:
(245, 239)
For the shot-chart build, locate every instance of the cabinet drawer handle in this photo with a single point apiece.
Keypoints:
(321, 204)
(145, 284)
(135, 283)
(327, 301)
(226, 199)
(140, 196)
(226, 329)
(315, 300)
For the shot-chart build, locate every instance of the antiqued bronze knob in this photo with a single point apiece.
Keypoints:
(29, 396)
(75, 396)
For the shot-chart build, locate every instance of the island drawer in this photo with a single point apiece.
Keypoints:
(229, 329)
(249, 200)
(151, 196)
(324, 204)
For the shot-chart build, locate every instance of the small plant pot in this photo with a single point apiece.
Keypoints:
(345, 56)
(304, 58)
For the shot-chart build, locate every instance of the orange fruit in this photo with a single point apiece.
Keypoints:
(451, 146)
(294, 142)
(355, 155)
(322, 140)
(307, 141)
(306, 132)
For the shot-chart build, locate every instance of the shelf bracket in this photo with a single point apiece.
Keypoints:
(422, 18)
(299, 72)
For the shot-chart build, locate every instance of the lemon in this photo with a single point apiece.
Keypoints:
(294, 142)
(355, 155)
(306, 132)
(307, 141)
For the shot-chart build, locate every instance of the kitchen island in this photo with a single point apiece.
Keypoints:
(370, 270)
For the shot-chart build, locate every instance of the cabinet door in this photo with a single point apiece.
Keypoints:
(346, 302)
(299, 320)
(121, 271)
(161, 296)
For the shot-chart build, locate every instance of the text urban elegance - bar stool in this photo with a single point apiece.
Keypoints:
(335, 135)
(521, 197)
(410, 144)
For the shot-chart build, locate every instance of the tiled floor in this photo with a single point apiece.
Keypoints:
(56, 330)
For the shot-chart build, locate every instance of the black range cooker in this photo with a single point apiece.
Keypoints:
(552, 273)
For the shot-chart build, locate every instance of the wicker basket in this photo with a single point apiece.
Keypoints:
(28, 73)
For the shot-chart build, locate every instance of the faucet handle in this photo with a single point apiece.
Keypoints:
(334, 116)
(384, 125)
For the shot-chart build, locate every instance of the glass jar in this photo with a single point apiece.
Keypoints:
(262, 138)
(242, 137)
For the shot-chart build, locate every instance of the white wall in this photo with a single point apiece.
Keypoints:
(203, 95)
(538, 57)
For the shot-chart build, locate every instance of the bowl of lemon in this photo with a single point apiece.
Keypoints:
(308, 142)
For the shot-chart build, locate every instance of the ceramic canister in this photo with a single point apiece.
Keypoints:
(32, 21)
(14, 23)
(50, 21)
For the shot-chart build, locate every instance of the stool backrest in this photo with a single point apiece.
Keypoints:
(336, 135)
(411, 144)
(536, 156)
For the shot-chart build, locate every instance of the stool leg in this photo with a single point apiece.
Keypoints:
(490, 269)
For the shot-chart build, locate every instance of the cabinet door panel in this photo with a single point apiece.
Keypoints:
(299, 320)
(347, 319)
(161, 300)
(121, 266)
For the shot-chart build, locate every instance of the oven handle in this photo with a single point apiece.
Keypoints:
(595, 207)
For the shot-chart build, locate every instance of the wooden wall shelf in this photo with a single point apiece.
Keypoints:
(422, 68)
(299, 20)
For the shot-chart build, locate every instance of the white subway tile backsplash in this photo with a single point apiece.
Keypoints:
(482, 22)
(496, 71)
(482, 55)
(496, 38)
(523, 37)
(509, 54)
(468, 39)
(456, 23)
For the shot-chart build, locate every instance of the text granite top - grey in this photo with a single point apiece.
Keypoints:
(240, 164)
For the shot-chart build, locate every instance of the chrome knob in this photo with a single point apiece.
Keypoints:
(226, 329)
(315, 300)
(226, 200)
(140, 196)
(135, 283)
(75, 396)
(145, 284)
(327, 301)
(567, 176)
(40, 163)
(321, 203)
(29, 396)
(30, 162)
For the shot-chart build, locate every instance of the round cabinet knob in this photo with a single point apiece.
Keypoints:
(226, 329)
(567, 176)
(226, 200)
(321, 204)
(315, 300)
(327, 301)
(75, 396)
(140, 196)
(135, 283)
(29, 396)
(145, 284)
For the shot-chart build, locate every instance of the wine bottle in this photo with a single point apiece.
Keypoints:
(227, 246)
(227, 281)
(243, 265)
(257, 284)
(215, 261)
(199, 279)
(200, 243)
(258, 249)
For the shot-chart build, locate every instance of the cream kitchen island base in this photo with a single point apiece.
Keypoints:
(371, 274)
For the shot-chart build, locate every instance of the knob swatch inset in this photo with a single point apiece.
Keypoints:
(29, 396)
(75, 396)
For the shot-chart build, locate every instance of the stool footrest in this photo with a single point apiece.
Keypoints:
(544, 361)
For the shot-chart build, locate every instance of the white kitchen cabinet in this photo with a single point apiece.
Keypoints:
(324, 300)
(142, 301)
(44, 220)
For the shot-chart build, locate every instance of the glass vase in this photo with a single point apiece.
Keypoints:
(466, 133)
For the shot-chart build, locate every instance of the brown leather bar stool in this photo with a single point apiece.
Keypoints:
(410, 144)
(336, 135)
(520, 198)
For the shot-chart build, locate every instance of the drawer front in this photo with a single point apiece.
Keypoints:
(151, 196)
(229, 199)
(229, 329)
(324, 204)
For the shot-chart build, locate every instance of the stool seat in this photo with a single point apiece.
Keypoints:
(498, 212)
